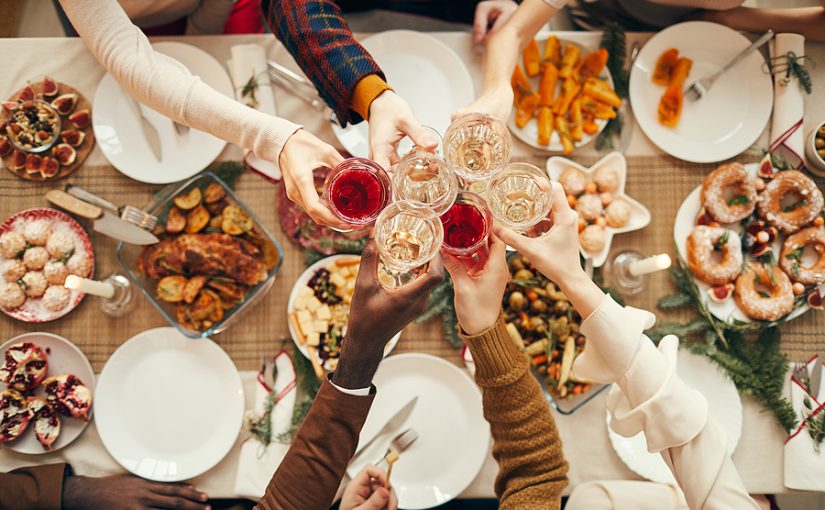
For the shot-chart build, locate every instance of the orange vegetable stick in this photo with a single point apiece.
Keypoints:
(526, 109)
(545, 125)
(664, 66)
(576, 122)
(564, 134)
(519, 81)
(670, 106)
(547, 85)
(590, 127)
(531, 58)
(593, 64)
(569, 89)
(569, 60)
(597, 109)
(681, 72)
(552, 51)
(601, 91)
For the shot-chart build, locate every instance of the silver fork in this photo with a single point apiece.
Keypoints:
(400, 443)
(701, 87)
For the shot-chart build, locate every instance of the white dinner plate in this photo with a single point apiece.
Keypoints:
(168, 408)
(639, 214)
(427, 73)
(120, 137)
(453, 437)
(729, 118)
(302, 281)
(724, 406)
(64, 358)
(683, 225)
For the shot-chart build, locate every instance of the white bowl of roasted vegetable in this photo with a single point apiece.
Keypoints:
(214, 259)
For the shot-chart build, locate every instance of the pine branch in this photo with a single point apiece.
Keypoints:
(614, 40)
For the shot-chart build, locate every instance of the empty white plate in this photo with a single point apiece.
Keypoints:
(120, 136)
(729, 118)
(167, 407)
(427, 73)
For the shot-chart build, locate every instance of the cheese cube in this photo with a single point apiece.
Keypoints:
(313, 339)
(306, 292)
(338, 280)
(306, 328)
(301, 303)
(313, 304)
(320, 326)
(303, 316)
(323, 313)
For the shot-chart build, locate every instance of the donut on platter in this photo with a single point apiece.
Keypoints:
(764, 292)
(790, 259)
(728, 193)
(702, 243)
(791, 217)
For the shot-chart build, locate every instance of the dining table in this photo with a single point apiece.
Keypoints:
(657, 180)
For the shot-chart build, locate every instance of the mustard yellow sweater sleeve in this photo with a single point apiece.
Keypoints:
(526, 444)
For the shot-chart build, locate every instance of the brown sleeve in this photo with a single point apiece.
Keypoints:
(311, 472)
(532, 469)
(38, 487)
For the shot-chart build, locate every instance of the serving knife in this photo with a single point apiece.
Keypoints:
(105, 222)
(395, 422)
(149, 132)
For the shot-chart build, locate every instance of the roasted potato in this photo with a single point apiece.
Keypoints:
(170, 288)
(189, 200)
(196, 219)
(175, 221)
(216, 208)
(214, 193)
(231, 291)
(236, 221)
(215, 222)
(203, 307)
(193, 286)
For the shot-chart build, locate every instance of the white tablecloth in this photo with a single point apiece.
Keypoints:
(586, 444)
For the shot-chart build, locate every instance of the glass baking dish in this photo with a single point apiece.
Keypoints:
(572, 404)
(128, 254)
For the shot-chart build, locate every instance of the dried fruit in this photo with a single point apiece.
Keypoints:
(27, 94)
(81, 119)
(5, 146)
(73, 137)
(766, 170)
(703, 218)
(10, 106)
(49, 86)
(762, 237)
(815, 299)
(758, 249)
(18, 160)
(64, 154)
(65, 104)
(798, 289)
(721, 293)
(33, 162)
(49, 167)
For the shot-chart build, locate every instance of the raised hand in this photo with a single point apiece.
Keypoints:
(303, 153)
(496, 102)
(390, 121)
(129, 492)
(490, 16)
(366, 491)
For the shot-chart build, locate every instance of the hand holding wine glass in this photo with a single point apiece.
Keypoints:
(408, 235)
(477, 146)
(496, 102)
(425, 177)
(391, 119)
(356, 191)
(466, 227)
(519, 196)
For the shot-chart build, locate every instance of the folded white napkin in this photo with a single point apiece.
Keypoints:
(787, 139)
(804, 466)
(257, 463)
(249, 62)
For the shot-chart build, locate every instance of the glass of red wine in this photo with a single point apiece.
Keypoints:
(356, 191)
(466, 227)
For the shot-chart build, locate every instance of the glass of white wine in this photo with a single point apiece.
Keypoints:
(408, 234)
(425, 177)
(520, 197)
(477, 146)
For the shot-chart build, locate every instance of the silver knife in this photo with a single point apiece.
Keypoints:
(149, 131)
(395, 422)
(816, 377)
(105, 222)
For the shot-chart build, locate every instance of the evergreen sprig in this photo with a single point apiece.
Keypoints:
(614, 40)
(441, 304)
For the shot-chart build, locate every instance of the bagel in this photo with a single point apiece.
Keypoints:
(716, 187)
(776, 304)
(791, 218)
(790, 259)
(702, 242)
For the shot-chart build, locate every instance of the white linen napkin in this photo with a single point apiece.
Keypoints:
(787, 139)
(804, 466)
(248, 61)
(257, 464)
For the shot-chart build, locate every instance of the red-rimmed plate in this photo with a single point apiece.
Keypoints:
(33, 310)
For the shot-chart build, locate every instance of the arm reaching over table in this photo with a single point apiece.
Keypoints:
(526, 444)
(649, 396)
(312, 470)
(501, 55)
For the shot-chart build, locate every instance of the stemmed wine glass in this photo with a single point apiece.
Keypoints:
(467, 227)
(425, 177)
(408, 234)
(477, 146)
(356, 191)
(519, 196)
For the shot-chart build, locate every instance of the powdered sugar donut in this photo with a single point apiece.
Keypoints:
(593, 238)
(589, 206)
(573, 181)
(728, 193)
(702, 242)
(606, 178)
(617, 213)
(779, 299)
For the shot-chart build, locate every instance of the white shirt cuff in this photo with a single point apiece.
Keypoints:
(360, 392)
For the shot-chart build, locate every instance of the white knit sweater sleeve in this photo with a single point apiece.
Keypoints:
(165, 84)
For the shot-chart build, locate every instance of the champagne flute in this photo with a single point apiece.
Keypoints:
(425, 177)
(356, 191)
(467, 227)
(408, 234)
(477, 146)
(519, 196)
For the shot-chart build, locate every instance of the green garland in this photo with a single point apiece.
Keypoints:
(442, 304)
(747, 351)
(614, 40)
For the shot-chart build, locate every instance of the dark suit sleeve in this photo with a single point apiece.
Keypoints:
(33, 488)
(311, 472)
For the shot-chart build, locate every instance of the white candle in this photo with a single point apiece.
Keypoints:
(649, 265)
(102, 289)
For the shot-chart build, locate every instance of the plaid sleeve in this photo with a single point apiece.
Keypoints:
(317, 36)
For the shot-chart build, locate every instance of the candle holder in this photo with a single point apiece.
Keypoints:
(122, 301)
(618, 268)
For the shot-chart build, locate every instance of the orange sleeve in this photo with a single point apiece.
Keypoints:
(366, 90)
